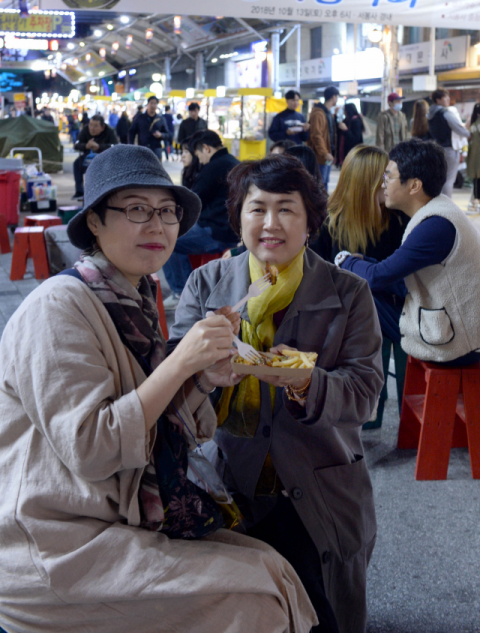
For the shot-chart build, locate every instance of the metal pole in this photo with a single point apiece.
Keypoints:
(275, 68)
(298, 57)
(432, 51)
(199, 72)
(168, 74)
(355, 42)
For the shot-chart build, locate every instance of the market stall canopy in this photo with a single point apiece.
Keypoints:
(25, 131)
(461, 14)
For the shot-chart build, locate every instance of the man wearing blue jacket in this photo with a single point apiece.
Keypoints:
(289, 124)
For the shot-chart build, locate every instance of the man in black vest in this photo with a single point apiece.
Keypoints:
(441, 123)
(212, 233)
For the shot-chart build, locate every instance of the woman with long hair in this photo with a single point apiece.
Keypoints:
(419, 121)
(359, 222)
(473, 160)
(191, 166)
(351, 131)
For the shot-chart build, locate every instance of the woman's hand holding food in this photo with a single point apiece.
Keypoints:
(280, 381)
(208, 342)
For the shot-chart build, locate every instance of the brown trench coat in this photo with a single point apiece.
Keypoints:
(318, 457)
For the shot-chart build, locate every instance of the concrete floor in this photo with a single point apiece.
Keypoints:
(424, 575)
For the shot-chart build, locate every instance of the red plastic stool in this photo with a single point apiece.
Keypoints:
(440, 411)
(42, 220)
(4, 241)
(162, 319)
(204, 258)
(29, 242)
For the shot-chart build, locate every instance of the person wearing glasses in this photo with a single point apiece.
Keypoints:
(84, 378)
(439, 259)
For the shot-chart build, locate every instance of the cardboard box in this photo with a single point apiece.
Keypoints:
(264, 370)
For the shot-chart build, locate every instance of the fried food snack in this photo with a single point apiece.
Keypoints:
(272, 271)
(289, 359)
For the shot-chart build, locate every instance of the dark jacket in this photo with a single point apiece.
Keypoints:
(47, 117)
(438, 127)
(282, 122)
(144, 126)
(169, 121)
(105, 139)
(317, 451)
(211, 187)
(123, 127)
(351, 138)
(188, 127)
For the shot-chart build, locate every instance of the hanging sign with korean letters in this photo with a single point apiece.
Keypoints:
(457, 14)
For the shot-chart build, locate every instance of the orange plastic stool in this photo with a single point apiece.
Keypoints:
(201, 260)
(29, 242)
(162, 319)
(4, 241)
(42, 220)
(440, 411)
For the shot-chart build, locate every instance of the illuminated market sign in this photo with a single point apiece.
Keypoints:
(41, 24)
(24, 43)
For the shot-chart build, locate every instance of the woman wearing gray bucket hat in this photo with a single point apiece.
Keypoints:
(84, 379)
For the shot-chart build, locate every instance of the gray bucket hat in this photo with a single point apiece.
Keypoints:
(123, 167)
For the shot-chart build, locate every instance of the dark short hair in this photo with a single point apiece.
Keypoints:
(140, 107)
(307, 157)
(99, 118)
(439, 93)
(152, 98)
(276, 174)
(193, 106)
(330, 92)
(424, 160)
(291, 94)
(208, 137)
(167, 108)
(282, 144)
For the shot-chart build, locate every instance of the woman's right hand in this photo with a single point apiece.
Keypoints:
(208, 342)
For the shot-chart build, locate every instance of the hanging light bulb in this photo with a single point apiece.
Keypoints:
(177, 24)
(128, 41)
(47, 74)
(75, 61)
(115, 47)
(54, 72)
(103, 53)
(88, 57)
(63, 66)
(149, 35)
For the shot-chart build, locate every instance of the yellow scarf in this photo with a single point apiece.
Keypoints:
(239, 406)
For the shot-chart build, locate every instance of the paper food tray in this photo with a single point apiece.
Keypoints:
(262, 370)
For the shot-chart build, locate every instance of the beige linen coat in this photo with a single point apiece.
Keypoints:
(73, 448)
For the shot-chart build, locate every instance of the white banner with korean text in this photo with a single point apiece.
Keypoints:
(448, 53)
(459, 14)
(310, 70)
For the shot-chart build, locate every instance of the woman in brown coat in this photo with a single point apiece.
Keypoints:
(290, 449)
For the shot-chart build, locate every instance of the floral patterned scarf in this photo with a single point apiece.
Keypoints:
(134, 313)
(133, 310)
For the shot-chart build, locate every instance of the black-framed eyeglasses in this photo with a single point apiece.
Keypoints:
(141, 213)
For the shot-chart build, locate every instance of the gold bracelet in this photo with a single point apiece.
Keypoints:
(298, 395)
